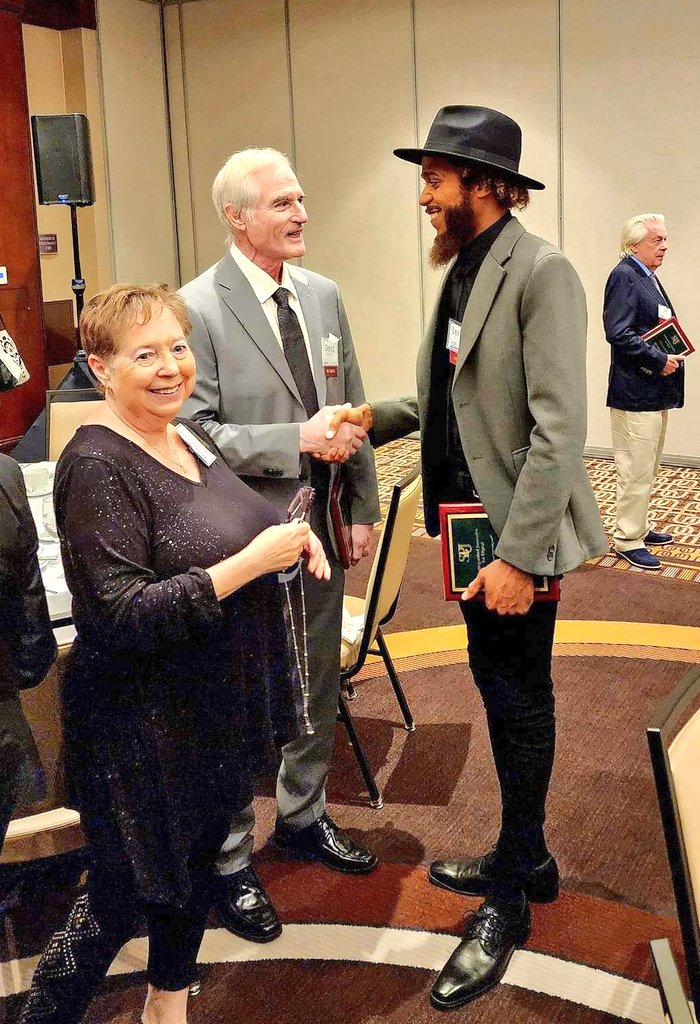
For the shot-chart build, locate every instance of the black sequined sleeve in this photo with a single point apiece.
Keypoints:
(105, 528)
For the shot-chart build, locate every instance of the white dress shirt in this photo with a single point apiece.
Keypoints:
(264, 287)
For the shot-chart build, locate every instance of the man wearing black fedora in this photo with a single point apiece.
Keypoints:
(501, 407)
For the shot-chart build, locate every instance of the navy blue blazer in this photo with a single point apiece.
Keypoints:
(631, 308)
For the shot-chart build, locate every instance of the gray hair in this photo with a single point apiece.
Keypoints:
(234, 185)
(635, 230)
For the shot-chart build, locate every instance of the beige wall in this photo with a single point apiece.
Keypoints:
(362, 223)
(605, 94)
(142, 216)
(631, 95)
(235, 94)
(62, 78)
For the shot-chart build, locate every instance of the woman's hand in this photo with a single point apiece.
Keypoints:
(317, 563)
(275, 549)
(278, 547)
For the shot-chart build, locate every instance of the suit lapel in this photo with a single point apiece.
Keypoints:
(243, 303)
(656, 293)
(424, 358)
(311, 308)
(488, 281)
(665, 295)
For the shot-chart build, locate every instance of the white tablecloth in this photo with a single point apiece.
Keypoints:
(53, 577)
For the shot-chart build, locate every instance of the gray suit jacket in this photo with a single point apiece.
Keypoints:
(245, 396)
(519, 395)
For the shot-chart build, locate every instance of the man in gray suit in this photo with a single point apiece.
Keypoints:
(501, 406)
(274, 352)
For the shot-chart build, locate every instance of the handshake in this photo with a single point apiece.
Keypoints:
(336, 432)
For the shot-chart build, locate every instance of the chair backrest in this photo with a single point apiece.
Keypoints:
(390, 557)
(46, 827)
(42, 709)
(65, 412)
(674, 745)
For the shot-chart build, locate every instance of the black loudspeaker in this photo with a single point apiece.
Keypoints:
(63, 160)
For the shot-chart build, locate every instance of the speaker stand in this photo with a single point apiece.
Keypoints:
(78, 282)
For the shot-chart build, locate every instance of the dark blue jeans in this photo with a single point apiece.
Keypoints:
(510, 657)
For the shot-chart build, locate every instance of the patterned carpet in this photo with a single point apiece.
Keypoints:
(366, 950)
(675, 507)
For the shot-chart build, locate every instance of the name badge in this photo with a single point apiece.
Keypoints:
(664, 312)
(453, 332)
(329, 355)
(199, 450)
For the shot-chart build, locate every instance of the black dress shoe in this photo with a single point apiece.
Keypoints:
(480, 960)
(244, 907)
(480, 876)
(323, 840)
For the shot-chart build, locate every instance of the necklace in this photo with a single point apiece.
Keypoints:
(174, 462)
(301, 658)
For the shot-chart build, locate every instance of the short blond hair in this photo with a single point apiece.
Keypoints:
(108, 315)
(234, 185)
(635, 229)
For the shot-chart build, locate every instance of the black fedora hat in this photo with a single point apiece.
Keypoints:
(478, 135)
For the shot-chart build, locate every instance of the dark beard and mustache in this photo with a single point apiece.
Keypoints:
(460, 228)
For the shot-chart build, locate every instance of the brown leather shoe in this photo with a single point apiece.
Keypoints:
(479, 877)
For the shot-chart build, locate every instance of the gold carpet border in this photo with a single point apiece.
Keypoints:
(445, 645)
(442, 658)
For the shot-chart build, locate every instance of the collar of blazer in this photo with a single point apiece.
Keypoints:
(648, 283)
(486, 285)
(237, 294)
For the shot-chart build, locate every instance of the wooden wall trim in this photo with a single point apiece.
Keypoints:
(20, 298)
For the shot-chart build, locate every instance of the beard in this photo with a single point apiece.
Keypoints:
(460, 228)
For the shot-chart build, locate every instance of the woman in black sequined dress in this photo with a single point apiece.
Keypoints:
(178, 679)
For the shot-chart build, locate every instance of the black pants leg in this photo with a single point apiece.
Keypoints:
(77, 958)
(510, 658)
(175, 934)
(74, 964)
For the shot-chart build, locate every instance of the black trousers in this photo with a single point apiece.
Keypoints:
(510, 657)
(106, 916)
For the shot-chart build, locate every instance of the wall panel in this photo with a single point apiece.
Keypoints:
(504, 55)
(236, 95)
(45, 90)
(62, 77)
(631, 92)
(353, 102)
(82, 89)
(136, 141)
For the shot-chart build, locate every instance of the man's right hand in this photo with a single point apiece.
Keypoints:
(672, 364)
(343, 441)
(358, 415)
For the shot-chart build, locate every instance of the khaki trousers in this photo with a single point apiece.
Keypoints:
(638, 441)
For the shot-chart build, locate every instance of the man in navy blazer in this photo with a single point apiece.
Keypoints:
(644, 383)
